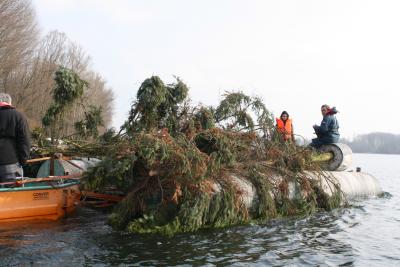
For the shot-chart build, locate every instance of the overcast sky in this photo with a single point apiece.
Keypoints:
(296, 55)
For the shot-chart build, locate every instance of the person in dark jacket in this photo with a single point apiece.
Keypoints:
(14, 140)
(328, 131)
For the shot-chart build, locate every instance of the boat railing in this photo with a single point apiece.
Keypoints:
(21, 181)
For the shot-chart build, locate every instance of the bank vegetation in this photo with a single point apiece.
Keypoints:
(29, 61)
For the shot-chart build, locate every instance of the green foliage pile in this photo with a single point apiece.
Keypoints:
(157, 106)
(236, 109)
(69, 87)
(68, 91)
(91, 122)
(177, 163)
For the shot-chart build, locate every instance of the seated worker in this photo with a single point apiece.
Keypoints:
(284, 126)
(328, 131)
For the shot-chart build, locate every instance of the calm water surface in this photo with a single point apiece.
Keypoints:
(367, 234)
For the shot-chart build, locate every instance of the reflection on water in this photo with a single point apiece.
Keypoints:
(365, 234)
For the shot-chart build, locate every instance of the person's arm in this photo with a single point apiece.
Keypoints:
(324, 128)
(23, 142)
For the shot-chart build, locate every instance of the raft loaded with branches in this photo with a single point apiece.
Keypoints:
(183, 168)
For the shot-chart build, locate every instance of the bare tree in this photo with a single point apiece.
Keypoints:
(27, 66)
(98, 94)
(18, 38)
(55, 50)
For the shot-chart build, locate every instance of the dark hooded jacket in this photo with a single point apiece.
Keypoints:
(14, 136)
(328, 131)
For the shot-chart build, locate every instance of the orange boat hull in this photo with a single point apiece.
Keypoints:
(44, 202)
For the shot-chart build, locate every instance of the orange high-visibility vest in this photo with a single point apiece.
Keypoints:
(284, 128)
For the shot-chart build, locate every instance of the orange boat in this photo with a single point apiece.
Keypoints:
(39, 198)
(52, 197)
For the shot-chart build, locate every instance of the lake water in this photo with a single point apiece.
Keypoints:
(366, 234)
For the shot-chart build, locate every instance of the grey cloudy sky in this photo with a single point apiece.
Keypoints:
(296, 55)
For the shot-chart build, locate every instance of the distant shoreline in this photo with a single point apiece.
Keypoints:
(376, 153)
(375, 143)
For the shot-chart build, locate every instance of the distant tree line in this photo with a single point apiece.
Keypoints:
(28, 64)
(384, 143)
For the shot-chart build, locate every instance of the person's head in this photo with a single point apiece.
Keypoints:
(5, 98)
(324, 109)
(284, 115)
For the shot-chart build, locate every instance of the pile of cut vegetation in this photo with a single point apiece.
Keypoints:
(184, 167)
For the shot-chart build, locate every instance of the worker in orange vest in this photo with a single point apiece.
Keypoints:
(284, 126)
